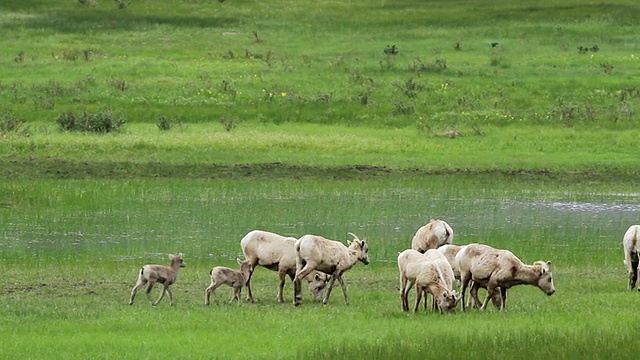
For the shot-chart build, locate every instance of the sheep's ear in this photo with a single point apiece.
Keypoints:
(317, 277)
(348, 242)
(549, 264)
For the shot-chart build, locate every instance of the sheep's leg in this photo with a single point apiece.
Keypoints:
(164, 290)
(140, 283)
(403, 296)
(302, 270)
(148, 290)
(406, 291)
(249, 293)
(209, 290)
(491, 288)
(464, 281)
(634, 272)
(474, 302)
(236, 295)
(330, 287)
(283, 276)
(419, 291)
(170, 292)
(344, 290)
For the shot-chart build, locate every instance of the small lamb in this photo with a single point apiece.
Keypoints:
(222, 275)
(165, 275)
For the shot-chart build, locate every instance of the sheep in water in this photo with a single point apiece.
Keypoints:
(222, 275)
(426, 272)
(276, 252)
(165, 275)
(331, 257)
(494, 268)
(431, 236)
(631, 247)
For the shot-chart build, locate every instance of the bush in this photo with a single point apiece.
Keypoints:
(101, 122)
(12, 124)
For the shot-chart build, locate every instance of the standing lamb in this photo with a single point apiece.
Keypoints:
(428, 276)
(165, 275)
(632, 254)
(494, 268)
(222, 275)
(431, 236)
(328, 256)
(276, 252)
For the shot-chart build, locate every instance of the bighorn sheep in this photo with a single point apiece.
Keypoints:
(328, 256)
(276, 252)
(426, 274)
(431, 236)
(494, 268)
(165, 275)
(222, 275)
(631, 245)
(450, 251)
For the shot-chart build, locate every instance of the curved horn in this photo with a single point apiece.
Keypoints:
(355, 237)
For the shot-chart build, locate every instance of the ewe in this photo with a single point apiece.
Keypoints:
(431, 236)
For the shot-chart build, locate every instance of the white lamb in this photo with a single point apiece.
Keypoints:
(498, 270)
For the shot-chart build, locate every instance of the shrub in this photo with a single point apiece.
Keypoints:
(12, 124)
(101, 122)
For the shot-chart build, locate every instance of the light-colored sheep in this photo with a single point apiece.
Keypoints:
(165, 275)
(328, 256)
(222, 275)
(431, 236)
(450, 251)
(426, 274)
(631, 245)
(448, 277)
(276, 252)
(495, 268)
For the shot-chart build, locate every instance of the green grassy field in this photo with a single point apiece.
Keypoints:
(313, 117)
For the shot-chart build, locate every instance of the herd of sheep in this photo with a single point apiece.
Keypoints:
(432, 265)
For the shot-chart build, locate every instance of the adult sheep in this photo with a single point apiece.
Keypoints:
(432, 235)
(495, 268)
(631, 247)
(330, 257)
(276, 252)
(425, 271)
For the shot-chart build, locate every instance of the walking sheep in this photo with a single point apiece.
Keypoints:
(431, 236)
(328, 256)
(276, 252)
(494, 268)
(222, 275)
(165, 275)
(631, 254)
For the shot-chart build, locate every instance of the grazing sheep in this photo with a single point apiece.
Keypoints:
(165, 275)
(426, 274)
(431, 236)
(450, 251)
(448, 276)
(276, 252)
(632, 254)
(328, 256)
(222, 275)
(498, 270)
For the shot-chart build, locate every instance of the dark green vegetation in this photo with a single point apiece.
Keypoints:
(129, 130)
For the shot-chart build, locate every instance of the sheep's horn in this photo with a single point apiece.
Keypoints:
(355, 237)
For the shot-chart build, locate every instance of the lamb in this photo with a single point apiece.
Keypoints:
(328, 256)
(165, 275)
(631, 254)
(276, 252)
(416, 268)
(498, 270)
(431, 236)
(222, 275)
(448, 277)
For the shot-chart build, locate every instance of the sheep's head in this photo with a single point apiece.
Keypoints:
(317, 285)
(545, 281)
(245, 266)
(448, 301)
(361, 247)
(178, 258)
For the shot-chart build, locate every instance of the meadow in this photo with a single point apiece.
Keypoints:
(205, 120)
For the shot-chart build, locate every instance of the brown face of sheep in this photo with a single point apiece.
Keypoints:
(545, 283)
(364, 255)
(448, 302)
(179, 259)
